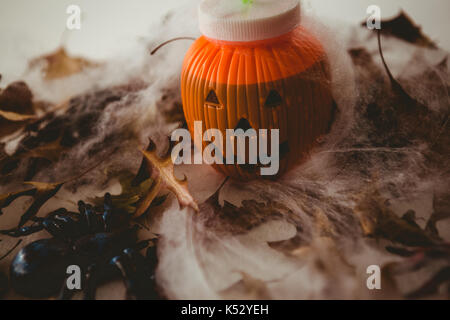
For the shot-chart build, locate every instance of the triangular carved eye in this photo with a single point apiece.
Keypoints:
(273, 100)
(212, 101)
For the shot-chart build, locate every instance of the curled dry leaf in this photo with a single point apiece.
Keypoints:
(16, 117)
(441, 211)
(378, 221)
(16, 107)
(403, 27)
(64, 127)
(164, 170)
(41, 193)
(432, 286)
(420, 258)
(51, 151)
(248, 288)
(59, 64)
(146, 201)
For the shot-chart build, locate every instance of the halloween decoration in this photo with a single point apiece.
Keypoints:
(255, 67)
(101, 242)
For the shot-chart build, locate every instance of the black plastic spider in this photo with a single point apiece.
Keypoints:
(100, 241)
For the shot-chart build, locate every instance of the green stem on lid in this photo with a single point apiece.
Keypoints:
(247, 2)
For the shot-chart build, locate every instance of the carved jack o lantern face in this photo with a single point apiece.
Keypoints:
(281, 84)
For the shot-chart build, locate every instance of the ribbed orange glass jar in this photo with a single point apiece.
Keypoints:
(276, 83)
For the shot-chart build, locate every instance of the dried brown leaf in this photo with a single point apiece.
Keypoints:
(441, 211)
(145, 203)
(41, 193)
(248, 288)
(378, 221)
(50, 151)
(16, 117)
(59, 64)
(16, 108)
(432, 286)
(164, 168)
(134, 198)
(403, 27)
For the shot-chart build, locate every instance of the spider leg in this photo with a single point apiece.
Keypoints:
(65, 293)
(134, 279)
(60, 211)
(40, 224)
(88, 214)
(59, 226)
(90, 286)
(107, 212)
(151, 256)
(24, 231)
(137, 275)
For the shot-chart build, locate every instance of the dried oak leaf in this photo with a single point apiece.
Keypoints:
(59, 64)
(403, 27)
(164, 170)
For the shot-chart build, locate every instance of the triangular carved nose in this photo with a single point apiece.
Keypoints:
(243, 124)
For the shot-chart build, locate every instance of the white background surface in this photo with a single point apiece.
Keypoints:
(31, 27)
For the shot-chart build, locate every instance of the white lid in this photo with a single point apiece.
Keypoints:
(251, 20)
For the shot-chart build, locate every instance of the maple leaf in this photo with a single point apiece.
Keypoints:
(59, 64)
(164, 168)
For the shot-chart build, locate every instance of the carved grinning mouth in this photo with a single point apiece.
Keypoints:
(284, 149)
(245, 125)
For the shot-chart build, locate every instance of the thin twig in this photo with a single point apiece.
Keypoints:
(11, 250)
(169, 41)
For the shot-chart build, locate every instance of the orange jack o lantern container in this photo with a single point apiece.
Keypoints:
(256, 67)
